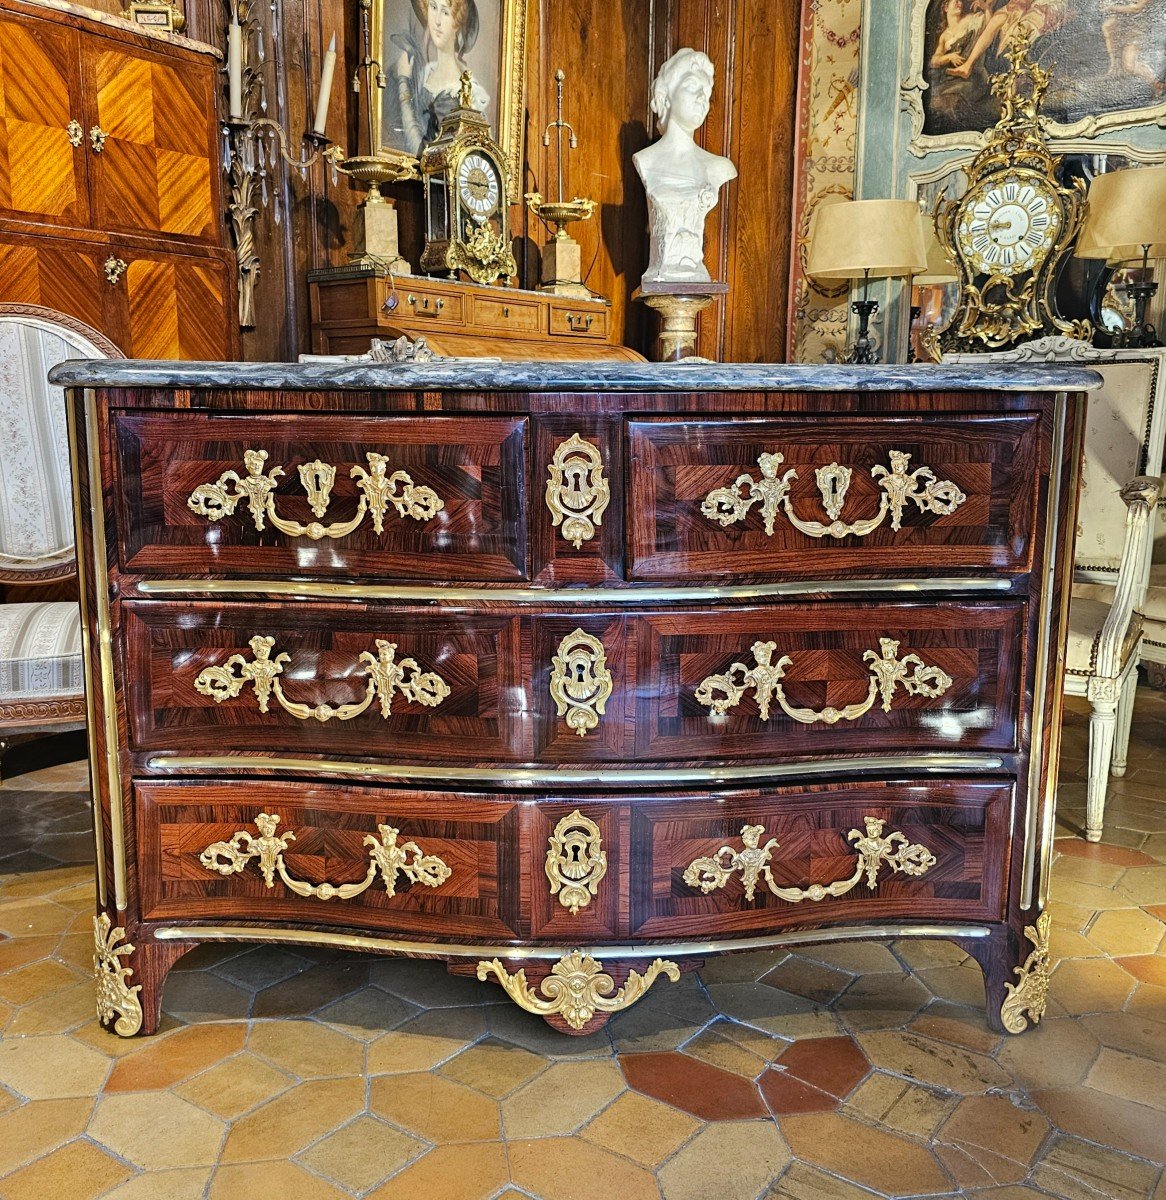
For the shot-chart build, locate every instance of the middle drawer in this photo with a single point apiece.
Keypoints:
(415, 684)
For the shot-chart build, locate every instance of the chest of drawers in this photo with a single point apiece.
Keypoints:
(573, 676)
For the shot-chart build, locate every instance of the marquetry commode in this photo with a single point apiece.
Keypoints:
(573, 675)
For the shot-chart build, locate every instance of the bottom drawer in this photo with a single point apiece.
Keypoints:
(452, 866)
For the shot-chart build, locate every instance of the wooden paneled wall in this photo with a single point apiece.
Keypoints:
(610, 50)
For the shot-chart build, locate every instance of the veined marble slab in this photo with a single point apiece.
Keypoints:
(576, 376)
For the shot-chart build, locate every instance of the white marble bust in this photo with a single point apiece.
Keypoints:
(682, 179)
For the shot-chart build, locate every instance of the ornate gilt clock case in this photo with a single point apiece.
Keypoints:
(466, 217)
(1013, 228)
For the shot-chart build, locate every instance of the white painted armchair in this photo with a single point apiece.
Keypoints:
(41, 671)
(1125, 432)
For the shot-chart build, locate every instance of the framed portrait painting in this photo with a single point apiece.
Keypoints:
(1108, 62)
(423, 46)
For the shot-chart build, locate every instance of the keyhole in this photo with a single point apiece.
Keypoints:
(580, 673)
(574, 854)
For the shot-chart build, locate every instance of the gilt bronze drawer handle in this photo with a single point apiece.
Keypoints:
(719, 693)
(577, 987)
(576, 861)
(386, 857)
(386, 677)
(580, 681)
(728, 505)
(377, 486)
(752, 863)
(577, 492)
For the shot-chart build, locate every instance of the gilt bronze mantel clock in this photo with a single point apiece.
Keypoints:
(467, 225)
(1013, 228)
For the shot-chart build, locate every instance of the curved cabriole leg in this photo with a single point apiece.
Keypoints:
(130, 977)
(1016, 976)
(577, 994)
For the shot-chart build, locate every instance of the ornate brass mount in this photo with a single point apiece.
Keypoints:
(115, 268)
(575, 861)
(728, 505)
(719, 693)
(386, 677)
(378, 490)
(873, 850)
(115, 997)
(577, 987)
(385, 856)
(580, 681)
(577, 492)
(76, 132)
(1026, 999)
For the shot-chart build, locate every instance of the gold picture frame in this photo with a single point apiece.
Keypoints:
(496, 55)
(167, 18)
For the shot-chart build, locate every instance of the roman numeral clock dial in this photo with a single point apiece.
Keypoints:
(1012, 229)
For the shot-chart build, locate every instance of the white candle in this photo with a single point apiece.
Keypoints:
(325, 95)
(235, 67)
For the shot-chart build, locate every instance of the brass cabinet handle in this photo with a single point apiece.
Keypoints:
(576, 861)
(719, 693)
(386, 858)
(580, 681)
(97, 138)
(728, 505)
(577, 987)
(752, 863)
(115, 268)
(378, 487)
(386, 677)
(76, 132)
(579, 322)
(577, 491)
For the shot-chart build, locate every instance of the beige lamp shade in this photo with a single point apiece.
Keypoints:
(940, 266)
(879, 238)
(1127, 211)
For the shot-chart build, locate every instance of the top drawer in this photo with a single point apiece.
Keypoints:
(307, 494)
(820, 498)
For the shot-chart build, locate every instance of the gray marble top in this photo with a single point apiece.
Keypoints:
(469, 375)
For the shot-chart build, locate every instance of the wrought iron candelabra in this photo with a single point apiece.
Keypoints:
(254, 143)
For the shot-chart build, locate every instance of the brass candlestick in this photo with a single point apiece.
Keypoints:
(562, 262)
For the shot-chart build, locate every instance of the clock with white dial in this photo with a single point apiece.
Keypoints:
(479, 185)
(1008, 225)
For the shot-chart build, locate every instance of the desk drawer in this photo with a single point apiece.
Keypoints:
(514, 316)
(750, 864)
(589, 321)
(387, 497)
(204, 852)
(818, 498)
(444, 309)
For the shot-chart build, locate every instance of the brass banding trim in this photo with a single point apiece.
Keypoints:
(1034, 799)
(354, 941)
(87, 654)
(317, 590)
(105, 651)
(526, 777)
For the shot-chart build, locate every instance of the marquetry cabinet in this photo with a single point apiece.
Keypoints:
(573, 675)
(110, 205)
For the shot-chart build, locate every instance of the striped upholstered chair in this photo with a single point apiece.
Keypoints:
(42, 686)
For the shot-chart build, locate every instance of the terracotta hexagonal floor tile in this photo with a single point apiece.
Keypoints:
(731, 1160)
(465, 1172)
(693, 1086)
(436, 1109)
(157, 1130)
(1131, 1032)
(1070, 1166)
(38, 1127)
(190, 1183)
(641, 1129)
(426, 1040)
(739, 1049)
(292, 1121)
(1117, 856)
(833, 1065)
(1099, 1117)
(164, 1061)
(235, 1086)
(49, 1068)
(1057, 1053)
(1090, 985)
(556, 1168)
(61, 1012)
(784, 1095)
(936, 1063)
(801, 1182)
(862, 1154)
(994, 1140)
(900, 1106)
(36, 980)
(363, 1153)
(1134, 1078)
(493, 1067)
(1126, 931)
(564, 1097)
(306, 1049)
(1146, 968)
(283, 1179)
(79, 1170)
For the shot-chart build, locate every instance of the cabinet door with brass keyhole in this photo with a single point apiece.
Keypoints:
(576, 870)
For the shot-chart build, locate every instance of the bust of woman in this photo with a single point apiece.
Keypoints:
(681, 179)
